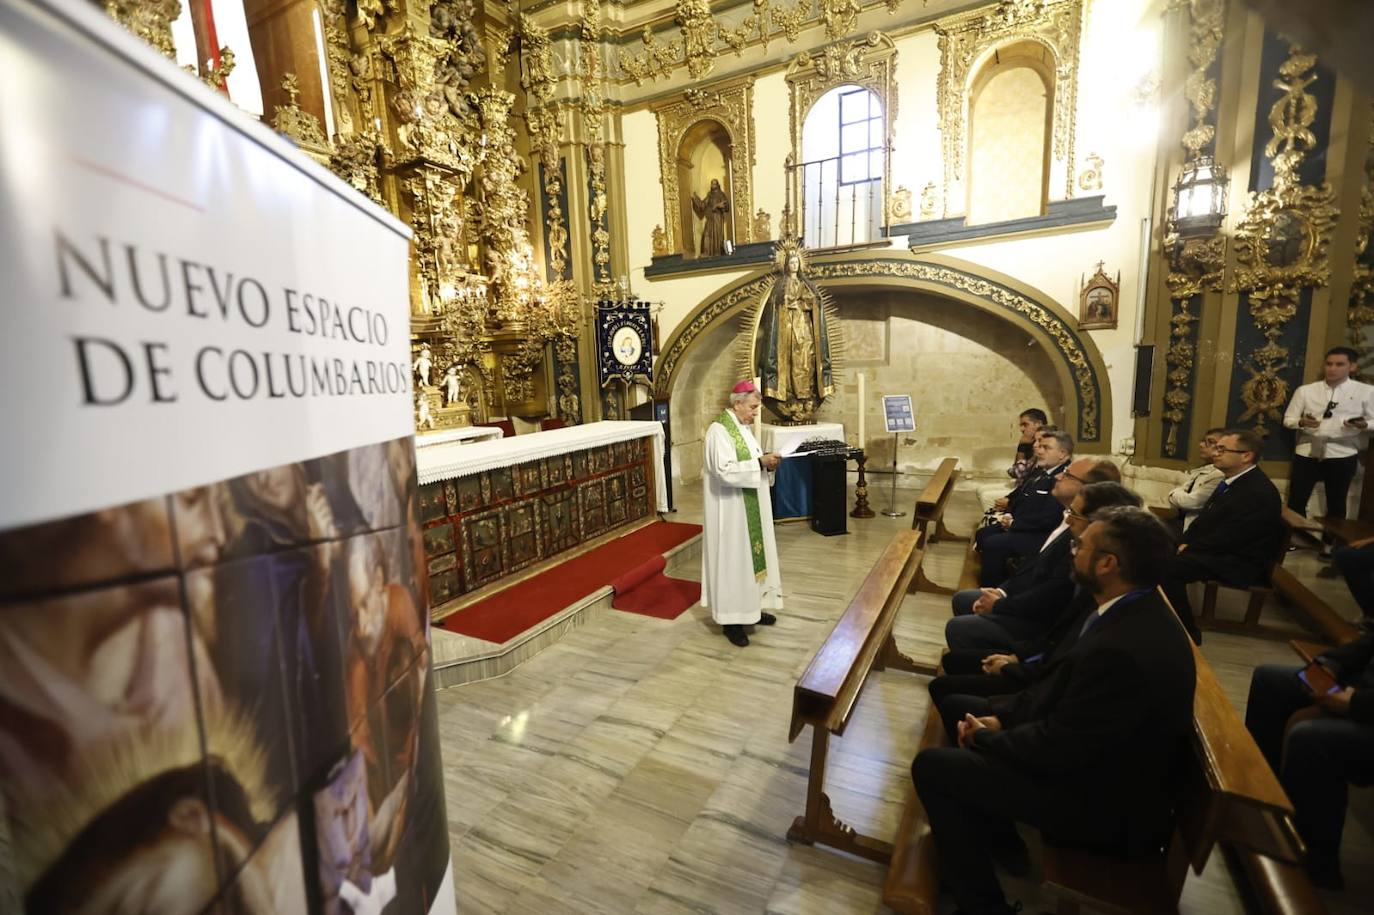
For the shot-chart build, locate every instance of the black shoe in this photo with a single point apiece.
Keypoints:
(735, 633)
(767, 619)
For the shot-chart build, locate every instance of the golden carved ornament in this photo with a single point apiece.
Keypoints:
(698, 35)
(1205, 24)
(217, 77)
(840, 17)
(540, 82)
(900, 211)
(150, 20)
(1090, 178)
(785, 20)
(763, 225)
(737, 39)
(301, 126)
(1195, 267)
(1195, 264)
(729, 104)
(431, 104)
(967, 40)
(339, 58)
(355, 161)
(869, 62)
(930, 200)
(1281, 243)
(660, 242)
(656, 61)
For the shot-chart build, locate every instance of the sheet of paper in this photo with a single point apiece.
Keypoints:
(791, 444)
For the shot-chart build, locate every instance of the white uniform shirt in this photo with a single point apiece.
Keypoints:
(1331, 439)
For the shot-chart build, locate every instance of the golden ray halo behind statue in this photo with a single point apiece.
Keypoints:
(791, 338)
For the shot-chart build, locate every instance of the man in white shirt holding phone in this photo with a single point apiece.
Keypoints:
(1329, 416)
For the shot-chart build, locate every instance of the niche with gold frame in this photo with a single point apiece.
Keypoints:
(706, 133)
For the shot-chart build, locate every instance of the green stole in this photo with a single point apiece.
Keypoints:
(751, 496)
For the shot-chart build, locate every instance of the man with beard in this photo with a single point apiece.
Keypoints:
(1085, 753)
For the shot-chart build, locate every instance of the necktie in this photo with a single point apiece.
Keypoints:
(1221, 489)
(1089, 623)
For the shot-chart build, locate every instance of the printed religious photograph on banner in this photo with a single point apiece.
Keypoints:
(183, 673)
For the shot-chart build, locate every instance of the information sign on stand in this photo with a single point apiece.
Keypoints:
(898, 414)
(899, 417)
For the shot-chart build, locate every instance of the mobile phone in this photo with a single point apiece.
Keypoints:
(1318, 680)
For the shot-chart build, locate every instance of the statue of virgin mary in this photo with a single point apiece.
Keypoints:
(792, 350)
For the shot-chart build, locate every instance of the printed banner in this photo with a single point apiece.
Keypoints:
(214, 638)
(175, 276)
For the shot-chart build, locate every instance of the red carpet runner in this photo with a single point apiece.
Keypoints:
(646, 590)
(507, 614)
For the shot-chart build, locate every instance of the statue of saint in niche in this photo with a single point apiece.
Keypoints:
(712, 212)
(793, 348)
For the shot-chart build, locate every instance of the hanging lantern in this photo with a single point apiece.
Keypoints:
(1199, 204)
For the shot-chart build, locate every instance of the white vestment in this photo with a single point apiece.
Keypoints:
(729, 586)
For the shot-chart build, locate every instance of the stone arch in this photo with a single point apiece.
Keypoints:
(1077, 362)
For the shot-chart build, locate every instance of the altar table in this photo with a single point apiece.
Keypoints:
(492, 508)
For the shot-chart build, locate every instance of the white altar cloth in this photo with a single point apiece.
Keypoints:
(773, 437)
(456, 459)
(462, 434)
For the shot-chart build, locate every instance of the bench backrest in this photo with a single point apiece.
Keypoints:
(930, 504)
(1229, 793)
(831, 684)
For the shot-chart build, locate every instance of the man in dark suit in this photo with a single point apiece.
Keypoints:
(1236, 534)
(1086, 754)
(1027, 603)
(1032, 511)
(1318, 741)
(999, 671)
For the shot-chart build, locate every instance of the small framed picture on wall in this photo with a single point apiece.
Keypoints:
(1098, 301)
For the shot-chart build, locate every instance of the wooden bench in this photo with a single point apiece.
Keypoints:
(1319, 615)
(912, 885)
(1259, 593)
(830, 687)
(930, 504)
(1347, 530)
(930, 510)
(1228, 797)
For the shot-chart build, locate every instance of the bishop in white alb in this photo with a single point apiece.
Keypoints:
(732, 586)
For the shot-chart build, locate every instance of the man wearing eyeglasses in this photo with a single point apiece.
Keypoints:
(1237, 534)
(1189, 496)
(1329, 416)
(1032, 511)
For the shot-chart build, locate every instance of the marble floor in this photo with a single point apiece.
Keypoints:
(642, 765)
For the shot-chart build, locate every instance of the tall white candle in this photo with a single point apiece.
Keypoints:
(758, 417)
(862, 404)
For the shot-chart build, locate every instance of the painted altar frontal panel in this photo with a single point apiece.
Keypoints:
(485, 526)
